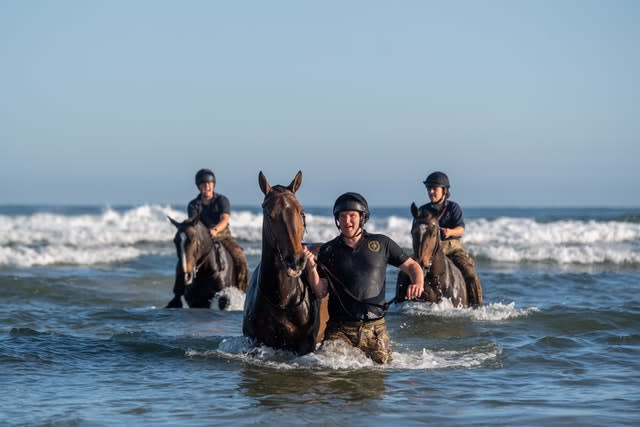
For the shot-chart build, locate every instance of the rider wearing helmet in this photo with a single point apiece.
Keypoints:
(214, 211)
(452, 228)
(352, 267)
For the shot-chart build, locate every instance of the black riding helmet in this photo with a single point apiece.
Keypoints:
(437, 179)
(351, 202)
(205, 175)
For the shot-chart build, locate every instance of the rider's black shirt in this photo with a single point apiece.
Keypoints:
(452, 217)
(362, 271)
(210, 214)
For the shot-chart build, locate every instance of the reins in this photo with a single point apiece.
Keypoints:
(204, 258)
(219, 257)
(332, 278)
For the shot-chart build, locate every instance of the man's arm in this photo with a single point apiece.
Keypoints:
(412, 268)
(318, 285)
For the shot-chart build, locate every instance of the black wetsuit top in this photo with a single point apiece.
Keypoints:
(452, 217)
(210, 214)
(362, 271)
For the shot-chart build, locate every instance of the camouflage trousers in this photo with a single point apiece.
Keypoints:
(240, 263)
(455, 251)
(369, 336)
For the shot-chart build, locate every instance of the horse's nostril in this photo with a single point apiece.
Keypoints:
(301, 261)
(296, 262)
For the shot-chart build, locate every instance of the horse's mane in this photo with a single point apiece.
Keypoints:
(280, 188)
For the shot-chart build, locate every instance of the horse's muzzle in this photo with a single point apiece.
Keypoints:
(188, 278)
(295, 265)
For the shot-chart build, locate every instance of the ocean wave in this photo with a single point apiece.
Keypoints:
(110, 235)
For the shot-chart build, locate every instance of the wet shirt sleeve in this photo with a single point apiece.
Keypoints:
(397, 255)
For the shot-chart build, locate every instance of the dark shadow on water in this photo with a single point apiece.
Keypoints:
(279, 388)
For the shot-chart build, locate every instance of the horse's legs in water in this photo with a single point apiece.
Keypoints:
(223, 302)
(178, 288)
(465, 264)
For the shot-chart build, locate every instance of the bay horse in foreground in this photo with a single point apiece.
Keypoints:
(442, 279)
(280, 309)
(205, 267)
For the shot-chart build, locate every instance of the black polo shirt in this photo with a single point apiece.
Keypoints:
(210, 214)
(452, 217)
(362, 272)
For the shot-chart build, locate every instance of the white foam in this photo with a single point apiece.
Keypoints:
(112, 236)
(488, 312)
(337, 355)
(235, 296)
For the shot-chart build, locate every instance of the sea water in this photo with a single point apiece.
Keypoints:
(85, 338)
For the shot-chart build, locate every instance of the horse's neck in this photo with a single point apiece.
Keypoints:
(207, 244)
(273, 274)
(438, 261)
(268, 260)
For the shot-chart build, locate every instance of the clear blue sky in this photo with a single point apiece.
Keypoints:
(522, 103)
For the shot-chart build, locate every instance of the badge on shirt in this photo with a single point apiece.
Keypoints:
(374, 246)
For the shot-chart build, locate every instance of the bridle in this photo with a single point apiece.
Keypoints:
(199, 264)
(268, 227)
(434, 281)
(267, 219)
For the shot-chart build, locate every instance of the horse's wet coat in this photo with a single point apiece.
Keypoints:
(280, 310)
(205, 267)
(442, 278)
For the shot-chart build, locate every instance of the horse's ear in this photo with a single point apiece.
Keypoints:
(193, 220)
(414, 210)
(173, 221)
(264, 185)
(295, 183)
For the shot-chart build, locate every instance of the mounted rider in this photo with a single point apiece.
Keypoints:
(214, 211)
(452, 229)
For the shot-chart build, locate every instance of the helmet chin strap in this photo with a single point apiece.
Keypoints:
(358, 233)
(443, 199)
(352, 237)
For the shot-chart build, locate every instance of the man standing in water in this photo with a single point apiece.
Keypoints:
(214, 211)
(452, 229)
(352, 268)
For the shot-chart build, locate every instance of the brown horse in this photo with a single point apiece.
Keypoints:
(205, 267)
(280, 309)
(442, 279)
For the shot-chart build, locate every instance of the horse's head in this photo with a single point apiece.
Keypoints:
(425, 235)
(283, 223)
(193, 243)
